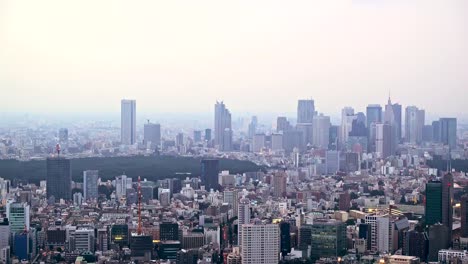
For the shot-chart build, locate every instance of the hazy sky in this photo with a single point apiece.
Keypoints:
(182, 56)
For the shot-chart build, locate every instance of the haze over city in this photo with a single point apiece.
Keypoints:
(260, 56)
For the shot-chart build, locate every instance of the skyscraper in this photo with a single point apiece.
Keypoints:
(152, 135)
(243, 214)
(347, 117)
(397, 116)
(328, 239)
(209, 173)
(321, 131)
(279, 184)
(447, 207)
(433, 210)
(253, 127)
(414, 124)
(373, 114)
(383, 140)
(18, 216)
(282, 124)
(305, 111)
(258, 142)
(260, 243)
(448, 131)
(90, 184)
(285, 238)
(223, 129)
(58, 178)
(128, 122)
(464, 216)
(436, 131)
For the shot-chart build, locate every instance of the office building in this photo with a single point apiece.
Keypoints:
(464, 216)
(5, 233)
(328, 239)
(332, 161)
(58, 178)
(282, 124)
(141, 247)
(119, 234)
(285, 238)
(207, 134)
(223, 129)
(447, 206)
(276, 141)
(279, 184)
(415, 119)
(334, 137)
(84, 239)
(384, 139)
(90, 184)
(344, 201)
(152, 135)
(209, 173)
(448, 132)
(128, 122)
(433, 210)
(321, 131)
(168, 231)
(243, 216)
(260, 243)
(252, 127)
(427, 135)
(18, 216)
(438, 240)
(307, 134)
(398, 124)
(292, 139)
(122, 183)
(197, 136)
(373, 114)
(436, 131)
(416, 244)
(347, 117)
(305, 111)
(258, 142)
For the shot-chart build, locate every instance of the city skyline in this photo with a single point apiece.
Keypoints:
(236, 53)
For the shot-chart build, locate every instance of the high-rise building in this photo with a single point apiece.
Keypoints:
(121, 184)
(414, 124)
(438, 239)
(243, 216)
(84, 239)
(223, 129)
(398, 123)
(334, 136)
(416, 244)
(427, 135)
(209, 173)
(253, 127)
(276, 141)
(383, 139)
(321, 131)
(285, 238)
(328, 239)
(436, 131)
(344, 202)
(464, 216)
(179, 139)
(433, 210)
(58, 178)
(373, 114)
(332, 161)
(307, 133)
(152, 135)
(305, 111)
(90, 184)
(197, 135)
(448, 132)
(279, 184)
(168, 231)
(347, 117)
(128, 122)
(208, 134)
(5, 233)
(282, 124)
(119, 234)
(292, 139)
(447, 206)
(258, 142)
(18, 216)
(260, 243)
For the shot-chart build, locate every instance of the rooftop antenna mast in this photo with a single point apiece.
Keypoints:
(139, 230)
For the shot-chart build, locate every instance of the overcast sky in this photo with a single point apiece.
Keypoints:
(257, 56)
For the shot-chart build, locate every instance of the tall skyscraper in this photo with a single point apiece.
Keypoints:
(321, 131)
(398, 123)
(208, 134)
(414, 124)
(307, 133)
(285, 238)
(282, 124)
(464, 216)
(128, 122)
(347, 117)
(260, 243)
(90, 184)
(209, 173)
(433, 210)
(58, 178)
(152, 135)
(332, 161)
(222, 125)
(258, 142)
(305, 111)
(328, 239)
(253, 127)
(374, 115)
(436, 131)
(197, 135)
(448, 132)
(383, 140)
(243, 214)
(4, 233)
(447, 206)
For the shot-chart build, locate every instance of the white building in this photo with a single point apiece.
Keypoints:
(276, 142)
(84, 239)
(90, 184)
(258, 142)
(128, 122)
(321, 131)
(260, 243)
(18, 216)
(448, 255)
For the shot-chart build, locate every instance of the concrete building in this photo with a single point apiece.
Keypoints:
(258, 142)
(128, 122)
(152, 135)
(321, 131)
(90, 184)
(58, 178)
(260, 243)
(223, 129)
